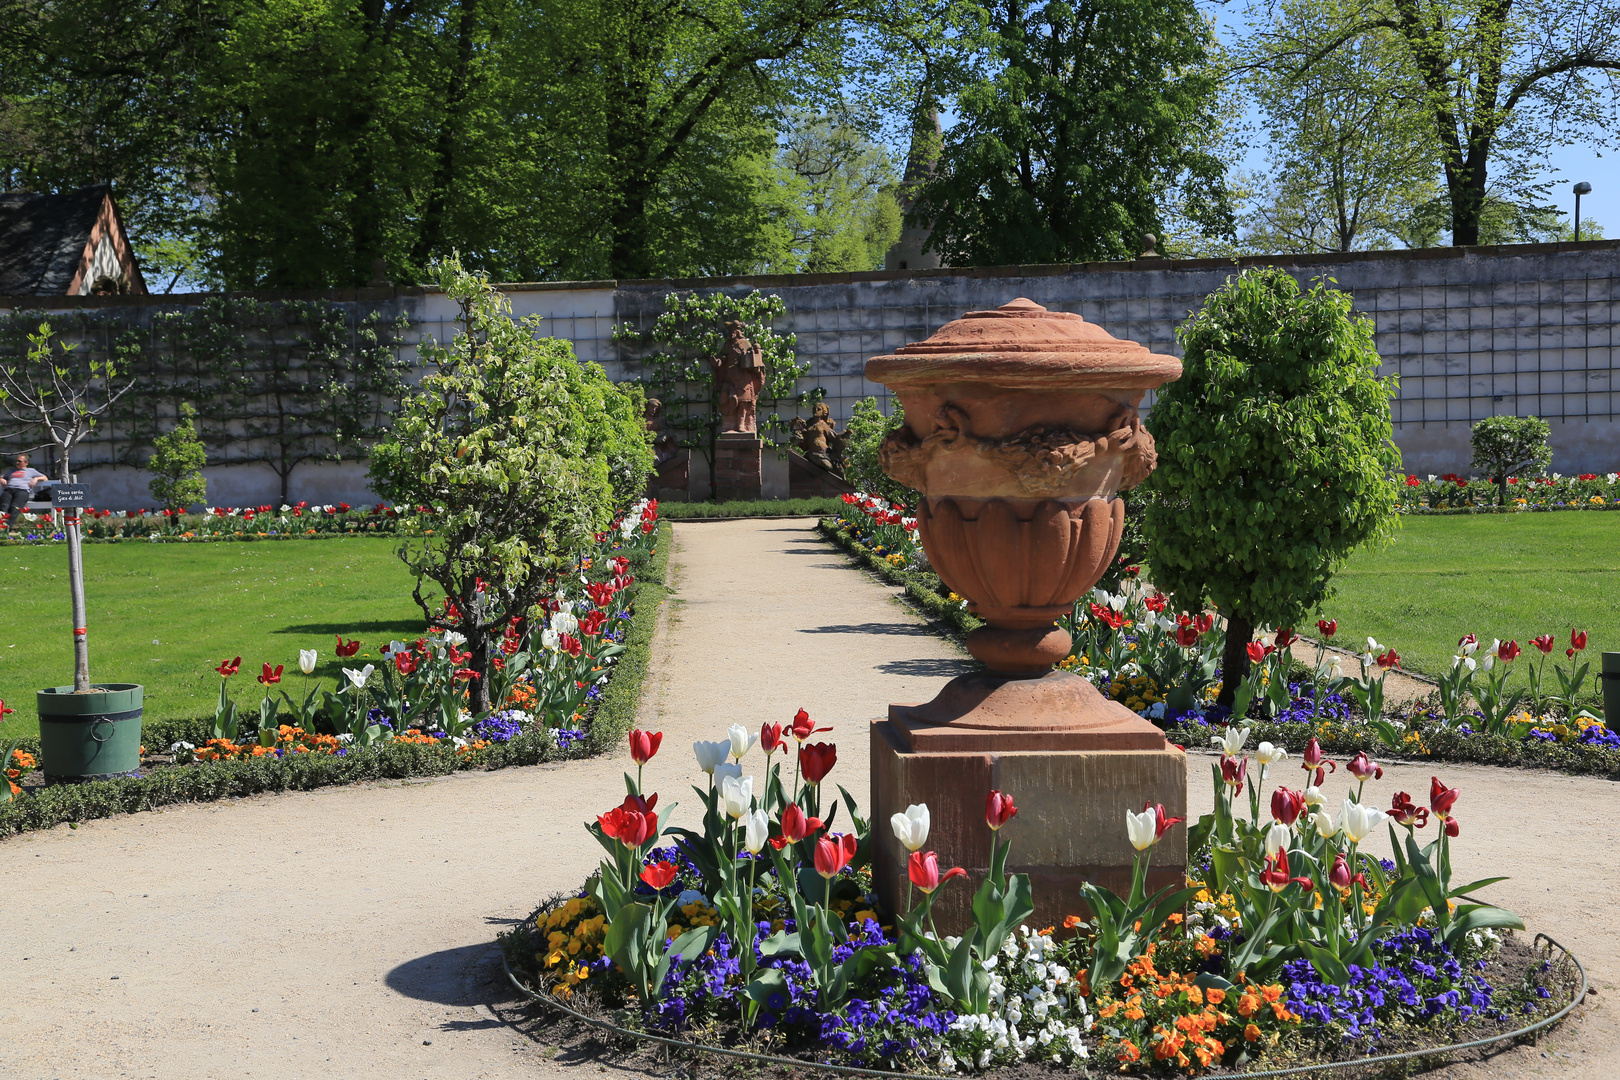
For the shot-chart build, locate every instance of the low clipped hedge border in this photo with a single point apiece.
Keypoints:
(755, 508)
(922, 589)
(1443, 745)
(1442, 511)
(211, 780)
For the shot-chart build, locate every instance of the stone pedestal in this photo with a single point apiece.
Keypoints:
(738, 466)
(1072, 786)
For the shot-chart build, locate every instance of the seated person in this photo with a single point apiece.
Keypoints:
(21, 481)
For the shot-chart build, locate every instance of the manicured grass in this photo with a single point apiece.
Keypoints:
(165, 615)
(1512, 576)
(764, 508)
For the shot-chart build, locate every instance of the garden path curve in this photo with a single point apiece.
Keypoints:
(345, 932)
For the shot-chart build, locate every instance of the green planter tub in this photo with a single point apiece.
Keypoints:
(90, 736)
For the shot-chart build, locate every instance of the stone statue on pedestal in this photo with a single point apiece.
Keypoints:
(739, 376)
(820, 440)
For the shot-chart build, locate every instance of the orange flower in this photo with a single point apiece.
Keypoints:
(1071, 921)
(1134, 1012)
(1108, 1010)
(1280, 1011)
(1128, 1052)
(1174, 918)
(1248, 1005)
(1272, 992)
(1195, 994)
(1214, 995)
(1252, 1033)
(1207, 946)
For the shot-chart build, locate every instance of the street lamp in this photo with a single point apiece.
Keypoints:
(1582, 188)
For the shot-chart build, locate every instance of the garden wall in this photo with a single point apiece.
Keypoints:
(1472, 332)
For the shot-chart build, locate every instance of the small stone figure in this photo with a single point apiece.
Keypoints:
(820, 439)
(739, 375)
(664, 445)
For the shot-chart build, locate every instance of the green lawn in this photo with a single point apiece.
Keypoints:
(165, 615)
(1499, 576)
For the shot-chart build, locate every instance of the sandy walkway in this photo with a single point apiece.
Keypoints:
(346, 932)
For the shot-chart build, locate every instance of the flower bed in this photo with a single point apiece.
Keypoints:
(760, 931)
(565, 689)
(1453, 494)
(287, 522)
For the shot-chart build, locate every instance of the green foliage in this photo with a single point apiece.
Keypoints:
(176, 464)
(502, 438)
(868, 427)
(1499, 83)
(749, 508)
(837, 185)
(615, 711)
(1511, 445)
(1274, 455)
(1063, 150)
(683, 345)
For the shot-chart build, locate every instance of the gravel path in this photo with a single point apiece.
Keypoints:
(347, 931)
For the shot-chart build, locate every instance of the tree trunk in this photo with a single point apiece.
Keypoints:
(478, 688)
(81, 644)
(1235, 660)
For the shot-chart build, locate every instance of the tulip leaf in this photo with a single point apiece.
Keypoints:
(1464, 890)
(779, 943)
(1330, 967)
(695, 942)
(766, 984)
(1208, 980)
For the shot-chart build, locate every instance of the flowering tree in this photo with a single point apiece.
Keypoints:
(514, 445)
(1275, 451)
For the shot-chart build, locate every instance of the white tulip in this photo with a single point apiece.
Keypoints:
(453, 638)
(1314, 797)
(741, 740)
(1232, 740)
(1490, 660)
(1142, 829)
(736, 796)
(911, 827)
(549, 639)
(710, 754)
(1325, 828)
(306, 661)
(1266, 754)
(727, 768)
(1373, 646)
(1277, 838)
(1469, 647)
(563, 622)
(1463, 661)
(358, 678)
(1358, 821)
(756, 830)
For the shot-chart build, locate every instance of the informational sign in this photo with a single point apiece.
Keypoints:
(70, 495)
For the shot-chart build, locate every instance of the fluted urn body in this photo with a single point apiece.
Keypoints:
(1021, 426)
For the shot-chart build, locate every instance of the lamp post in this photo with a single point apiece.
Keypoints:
(1582, 188)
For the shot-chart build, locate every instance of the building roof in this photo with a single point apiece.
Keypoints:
(48, 243)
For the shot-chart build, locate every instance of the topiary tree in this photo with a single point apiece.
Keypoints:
(1275, 455)
(176, 464)
(1510, 445)
(512, 443)
(868, 427)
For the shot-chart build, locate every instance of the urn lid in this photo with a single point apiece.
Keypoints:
(1022, 344)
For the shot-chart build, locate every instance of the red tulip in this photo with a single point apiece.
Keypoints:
(630, 827)
(1329, 627)
(1393, 659)
(1467, 639)
(644, 744)
(405, 662)
(658, 875)
(1186, 637)
(816, 761)
(1156, 602)
(1233, 770)
(1452, 828)
(1577, 641)
(1277, 877)
(1164, 822)
(1340, 875)
(591, 625)
(1287, 805)
(796, 825)
(1363, 768)
(1441, 798)
(923, 867)
(1202, 623)
(833, 853)
(1508, 651)
(229, 668)
(1286, 637)
(1544, 643)
(347, 649)
(998, 809)
(804, 727)
(570, 644)
(465, 674)
(1257, 652)
(271, 674)
(619, 564)
(1405, 812)
(770, 737)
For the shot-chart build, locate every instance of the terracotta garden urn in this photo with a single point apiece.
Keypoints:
(1021, 427)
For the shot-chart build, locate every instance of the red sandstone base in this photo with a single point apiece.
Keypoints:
(738, 466)
(1070, 827)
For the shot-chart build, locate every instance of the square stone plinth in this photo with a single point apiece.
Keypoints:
(1070, 827)
(738, 465)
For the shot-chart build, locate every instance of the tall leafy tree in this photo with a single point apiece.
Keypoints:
(1081, 120)
(1502, 80)
(838, 193)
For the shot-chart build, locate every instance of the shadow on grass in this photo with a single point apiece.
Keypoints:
(376, 626)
